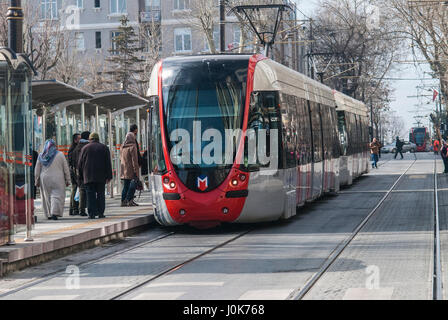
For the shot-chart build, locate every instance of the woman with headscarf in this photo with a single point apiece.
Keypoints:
(52, 175)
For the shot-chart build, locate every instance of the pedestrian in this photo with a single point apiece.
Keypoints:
(436, 146)
(444, 154)
(95, 170)
(82, 205)
(129, 170)
(52, 175)
(398, 148)
(374, 151)
(74, 205)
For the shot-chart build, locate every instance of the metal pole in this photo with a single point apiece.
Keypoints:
(15, 26)
(222, 25)
(97, 121)
(371, 119)
(83, 117)
(112, 153)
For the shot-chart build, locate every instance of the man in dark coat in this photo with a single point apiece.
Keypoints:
(95, 169)
(398, 148)
(74, 205)
(75, 157)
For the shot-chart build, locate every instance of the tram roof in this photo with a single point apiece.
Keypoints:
(53, 92)
(117, 100)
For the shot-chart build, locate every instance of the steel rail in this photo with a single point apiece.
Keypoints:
(437, 278)
(58, 272)
(300, 293)
(176, 267)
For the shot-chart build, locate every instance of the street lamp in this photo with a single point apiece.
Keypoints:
(15, 26)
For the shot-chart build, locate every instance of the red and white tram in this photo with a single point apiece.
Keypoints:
(316, 140)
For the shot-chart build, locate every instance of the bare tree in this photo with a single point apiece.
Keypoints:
(424, 24)
(201, 16)
(3, 24)
(44, 39)
(353, 55)
(150, 36)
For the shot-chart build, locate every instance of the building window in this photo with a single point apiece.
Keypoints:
(181, 4)
(80, 3)
(49, 9)
(117, 6)
(98, 40)
(97, 4)
(79, 41)
(182, 40)
(113, 45)
(152, 5)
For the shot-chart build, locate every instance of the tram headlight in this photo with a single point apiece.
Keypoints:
(225, 210)
(182, 212)
(243, 177)
(166, 180)
(234, 182)
(172, 185)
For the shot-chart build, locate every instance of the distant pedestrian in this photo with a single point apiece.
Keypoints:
(129, 170)
(74, 205)
(95, 170)
(398, 148)
(374, 151)
(436, 147)
(81, 187)
(52, 176)
(444, 154)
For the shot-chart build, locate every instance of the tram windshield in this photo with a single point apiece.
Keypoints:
(203, 96)
(419, 136)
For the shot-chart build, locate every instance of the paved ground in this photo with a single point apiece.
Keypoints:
(393, 254)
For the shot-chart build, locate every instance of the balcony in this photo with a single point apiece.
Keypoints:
(149, 16)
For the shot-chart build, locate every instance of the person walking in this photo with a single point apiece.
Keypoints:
(74, 205)
(444, 154)
(436, 146)
(374, 151)
(95, 170)
(398, 148)
(81, 187)
(52, 175)
(129, 170)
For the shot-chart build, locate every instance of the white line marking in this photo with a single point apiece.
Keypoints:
(159, 296)
(189, 284)
(83, 287)
(52, 298)
(266, 294)
(368, 294)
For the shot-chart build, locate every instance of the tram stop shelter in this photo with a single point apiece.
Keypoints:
(16, 173)
(61, 110)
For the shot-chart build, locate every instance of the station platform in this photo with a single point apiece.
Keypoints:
(53, 239)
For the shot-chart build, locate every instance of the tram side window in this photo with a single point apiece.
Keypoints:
(289, 128)
(158, 165)
(264, 114)
(304, 132)
(326, 128)
(316, 129)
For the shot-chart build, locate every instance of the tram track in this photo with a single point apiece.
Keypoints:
(301, 292)
(437, 277)
(128, 290)
(178, 266)
(58, 272)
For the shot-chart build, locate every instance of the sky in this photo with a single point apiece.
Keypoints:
(405, 107)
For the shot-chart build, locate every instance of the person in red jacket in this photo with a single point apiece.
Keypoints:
(436, 146)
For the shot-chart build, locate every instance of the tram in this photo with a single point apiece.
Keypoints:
(287, 138)
(420, 137)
